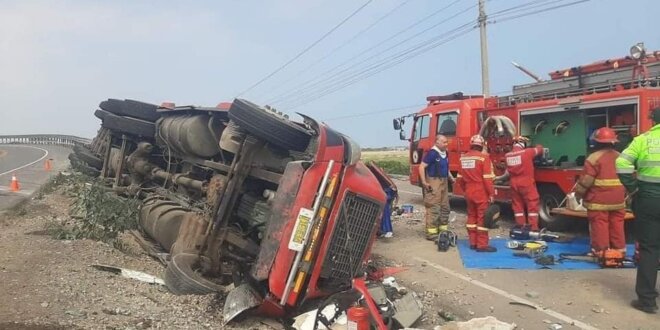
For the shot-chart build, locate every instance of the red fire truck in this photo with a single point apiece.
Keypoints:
(559, 113)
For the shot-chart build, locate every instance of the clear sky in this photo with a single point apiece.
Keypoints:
(59, 59)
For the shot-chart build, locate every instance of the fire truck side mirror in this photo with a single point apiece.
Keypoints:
(402, 135)
(396, 122)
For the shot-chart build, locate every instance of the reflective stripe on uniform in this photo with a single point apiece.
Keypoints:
(648, 178)
(518, 214)
(533, 214)
(472, 158)
(648, 163)
(482, 229)
(489, 176)
(626, 170)
(607, 182)
(627, 157)
(604, 207)
(432, 230)
(469, 226)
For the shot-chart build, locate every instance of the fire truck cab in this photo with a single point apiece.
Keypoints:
(560, 113)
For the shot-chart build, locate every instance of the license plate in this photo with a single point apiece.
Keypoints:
(303, 222)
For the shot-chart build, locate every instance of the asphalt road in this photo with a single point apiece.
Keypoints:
(27, 163)
(575, 299)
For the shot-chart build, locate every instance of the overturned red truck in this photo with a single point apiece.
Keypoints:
(560, 113)
(241, 197)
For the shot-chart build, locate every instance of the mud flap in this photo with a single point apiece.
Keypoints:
(238, 300)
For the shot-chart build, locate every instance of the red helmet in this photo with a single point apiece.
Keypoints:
(477, 140)
(605, 135)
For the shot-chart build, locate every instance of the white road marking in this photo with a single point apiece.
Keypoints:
(26, 165)
(410, 192)
(510, 296)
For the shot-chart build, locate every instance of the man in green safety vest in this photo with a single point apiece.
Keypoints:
(642, 157)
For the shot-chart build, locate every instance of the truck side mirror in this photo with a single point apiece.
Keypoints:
(396, 122)
(402, 135)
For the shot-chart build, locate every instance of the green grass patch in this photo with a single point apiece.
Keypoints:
(392, 162)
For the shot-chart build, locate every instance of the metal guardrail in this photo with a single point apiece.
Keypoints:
(50, 139)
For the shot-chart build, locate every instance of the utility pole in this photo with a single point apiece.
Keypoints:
(485, 80)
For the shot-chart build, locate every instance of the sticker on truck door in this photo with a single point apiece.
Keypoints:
(303, 222)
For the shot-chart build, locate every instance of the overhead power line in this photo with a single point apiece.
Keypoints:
(370, 113)
(510, 17)
(306, 49)
(379, 67)
(336, 49)
(311, 96)
(306, 83)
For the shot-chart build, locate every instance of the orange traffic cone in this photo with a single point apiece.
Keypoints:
(47, 165)
(14, 186)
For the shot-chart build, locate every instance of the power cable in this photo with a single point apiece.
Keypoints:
(342, 45)
(363, 114)
(304, 84)
(304, 99)
(386, 63)
(306, 49)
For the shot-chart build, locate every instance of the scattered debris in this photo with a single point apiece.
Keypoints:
(555, 326)
(447, 316)
(522, 304)
(44, 304)
(484, 323)
(140, 276)
(533, 294)
(597, 309)
(408, 310)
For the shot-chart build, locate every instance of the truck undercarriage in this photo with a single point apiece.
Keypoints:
(241, 200)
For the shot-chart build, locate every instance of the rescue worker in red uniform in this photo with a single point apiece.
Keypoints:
(603, 194)
(476, 179)
(520, 171)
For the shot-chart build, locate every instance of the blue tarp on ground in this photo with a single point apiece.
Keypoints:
(504, 258)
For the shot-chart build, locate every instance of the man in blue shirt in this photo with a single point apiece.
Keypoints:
(434, 175)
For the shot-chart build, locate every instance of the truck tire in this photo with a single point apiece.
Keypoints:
(82, 167)
(131, 108)
(131, 126)
(88, 157)
(550, 196)
(181, 277)
(269, 126)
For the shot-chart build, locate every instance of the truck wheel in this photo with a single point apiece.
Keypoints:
(131, 108)
(82, 167)
(88, 157)
(550, 196)
(269, 126)
(181, 277)
(127, 125)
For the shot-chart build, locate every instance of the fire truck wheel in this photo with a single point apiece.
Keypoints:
(550, 196)
(181, 276)
(269, 126)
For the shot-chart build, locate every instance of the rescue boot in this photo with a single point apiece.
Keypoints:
(487, 249)
(638, 305)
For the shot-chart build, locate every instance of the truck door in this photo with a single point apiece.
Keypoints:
(421, 130)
